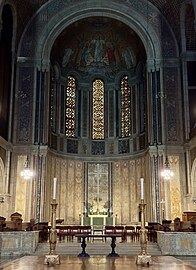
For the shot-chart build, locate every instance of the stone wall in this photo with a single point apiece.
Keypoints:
(18, 243)
(177, 243)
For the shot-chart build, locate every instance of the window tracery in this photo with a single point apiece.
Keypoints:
(70, 110)
(125, 108)
(98, 110)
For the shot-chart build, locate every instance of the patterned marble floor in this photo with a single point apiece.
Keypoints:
(97, 263)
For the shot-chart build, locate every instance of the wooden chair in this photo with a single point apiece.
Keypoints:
(73, 231)
(64, 231)
(109, 229)
(129, 232)
(86, 230)
(120, 230)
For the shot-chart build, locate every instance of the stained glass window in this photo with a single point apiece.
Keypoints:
(53, 107)
(125, 108)
(70, 107)
(98, 110)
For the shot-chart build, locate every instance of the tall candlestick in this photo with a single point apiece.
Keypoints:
(142, 188)
(54, 189)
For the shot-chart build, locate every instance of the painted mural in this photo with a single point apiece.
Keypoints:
(99, 47)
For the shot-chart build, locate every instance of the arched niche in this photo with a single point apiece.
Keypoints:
(53, 17)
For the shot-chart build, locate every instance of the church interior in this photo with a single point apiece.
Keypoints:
(98, 119)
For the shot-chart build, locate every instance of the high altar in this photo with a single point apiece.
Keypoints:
(98, 220)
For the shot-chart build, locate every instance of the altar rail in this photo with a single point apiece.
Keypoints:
(18, 243)
(177, 243)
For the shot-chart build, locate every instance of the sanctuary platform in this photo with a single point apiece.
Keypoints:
(97, 262)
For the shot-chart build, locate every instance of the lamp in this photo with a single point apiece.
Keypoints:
(26, 173)
(167, 173)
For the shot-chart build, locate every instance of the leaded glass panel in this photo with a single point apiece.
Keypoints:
(98, 110)
(70, 107)
(125, 108)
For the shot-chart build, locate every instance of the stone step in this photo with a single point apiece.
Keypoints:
(97, 248)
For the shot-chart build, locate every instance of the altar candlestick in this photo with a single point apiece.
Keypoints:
(54, 189)
(142, 188)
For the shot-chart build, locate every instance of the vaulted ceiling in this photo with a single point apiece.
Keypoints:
(170, 9)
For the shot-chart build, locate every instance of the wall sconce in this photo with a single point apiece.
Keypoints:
(167, 173)
(26, 173)
(1, 199)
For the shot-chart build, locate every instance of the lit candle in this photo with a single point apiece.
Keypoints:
(142, 188)
(54, 189)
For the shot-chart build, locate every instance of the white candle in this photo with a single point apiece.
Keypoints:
(142, 188)
(54, 189)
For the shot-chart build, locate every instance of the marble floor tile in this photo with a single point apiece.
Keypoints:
(97, 263)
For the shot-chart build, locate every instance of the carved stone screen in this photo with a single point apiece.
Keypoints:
(98, 188)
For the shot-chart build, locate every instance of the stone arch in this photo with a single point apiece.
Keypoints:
(182, 21)
(52, 18)
(193, 178)
(2, 176)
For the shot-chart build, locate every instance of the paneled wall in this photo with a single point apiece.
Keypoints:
(71, 180)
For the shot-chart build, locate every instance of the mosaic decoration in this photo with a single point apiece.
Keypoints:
(98, 148)
(61, 144)
(190, 33)
(52, 8)
(171, 88)
(85, 113)
(54, 142)
(111, 148)
(53, 110)
(168, 44)
(123, 146)
(72, 146)
(102, 49)
(111, 124)
(24, 105)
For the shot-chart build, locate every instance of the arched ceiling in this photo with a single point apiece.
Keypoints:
(98, 44)
(170, 9)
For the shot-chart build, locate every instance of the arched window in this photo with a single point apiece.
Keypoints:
(53, 103)
(125, 108)
(98, 110)
(70, 109)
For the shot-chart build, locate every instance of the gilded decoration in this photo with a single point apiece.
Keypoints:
(103, 49)
(117, 190)
(69, 188)
(63, 194)
(79, 189)
(133, 208)
(98, 188)
(70, 193)
(125, 192)
(21, 203)
(175, 189)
